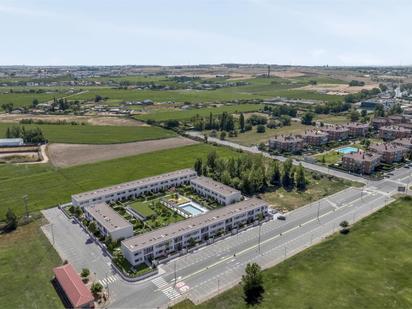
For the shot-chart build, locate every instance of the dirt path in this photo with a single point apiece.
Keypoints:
(64, 155)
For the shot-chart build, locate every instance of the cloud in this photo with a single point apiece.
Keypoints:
(19, 11)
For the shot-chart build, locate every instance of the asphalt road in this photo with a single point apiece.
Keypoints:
(214, 268)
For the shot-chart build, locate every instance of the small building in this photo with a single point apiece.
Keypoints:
(396, 119)
(361, 162)
(393, 132)
(11, 142)
(315, 138)
(357, 129)
(404, 142)
(217, 191)
(71, 287)
(379, 122)
(390, 152)
(108, 221)
(336, 132)
(288, 143)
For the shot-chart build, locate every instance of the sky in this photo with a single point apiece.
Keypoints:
(190, 32)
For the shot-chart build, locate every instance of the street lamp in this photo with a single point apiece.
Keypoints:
(260, 226)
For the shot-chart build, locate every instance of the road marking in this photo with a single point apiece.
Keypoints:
(171, 293)
(159, 282)
(110, 279)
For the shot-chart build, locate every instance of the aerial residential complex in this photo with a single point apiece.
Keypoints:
(390, 152)
(108, 221)
(217, 191)
(178, 236)
(393, 132)
(357, 129)
(315, 137)
(288, 143)
(336, 132)
(134, 188)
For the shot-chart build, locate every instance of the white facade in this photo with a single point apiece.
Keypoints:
(134, 188)
(108, 221)
(11, 142)
(177, 236)
(217, 191)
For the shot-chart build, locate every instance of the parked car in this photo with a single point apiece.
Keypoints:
(281, 217)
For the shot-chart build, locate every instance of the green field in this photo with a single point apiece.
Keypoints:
(368, 268)
(47, 186)
(187, 114)
(88, 134)
(26, 262)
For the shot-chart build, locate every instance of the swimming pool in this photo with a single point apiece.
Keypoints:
(193, 209)
(346, 150)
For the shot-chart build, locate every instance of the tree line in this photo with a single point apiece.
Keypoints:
(252, 174)
(31, 136)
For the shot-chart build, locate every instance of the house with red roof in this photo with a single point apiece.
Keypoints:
(72, 288)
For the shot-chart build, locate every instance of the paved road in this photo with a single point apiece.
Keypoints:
(212, 269)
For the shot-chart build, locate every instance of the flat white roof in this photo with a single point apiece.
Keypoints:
(215, 186)
(107, 217)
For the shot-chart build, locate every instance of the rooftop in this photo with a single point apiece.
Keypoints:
(386, 147)
(362, 156)
(132, 184)
(11, 140)
(287, 138)
(403, 141)
(315, 133)
(77, 293)
(357, 125)
(183, 227)
(214, 185)
(107, 217)
(334, 128)
(395, 128)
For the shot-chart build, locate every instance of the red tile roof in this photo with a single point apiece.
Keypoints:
(70, 281)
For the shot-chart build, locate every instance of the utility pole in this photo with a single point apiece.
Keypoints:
(175, 271)
(25, 198)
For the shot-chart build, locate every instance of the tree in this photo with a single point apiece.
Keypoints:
(96, 288)
(35, 102)
(198, 166)
(211, 160)
(242, 122)
(7, 107)
(252, 283)
(92, 227)
(85, 273)
(307, 118)
(300, 178)
(379, 111)
(78, 212)
(364, 113)
(354, 116)
(286, 177)
(11, 221)
(275, 179)
(260, 128)
(222, 135)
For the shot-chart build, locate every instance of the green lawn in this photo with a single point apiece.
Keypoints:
(142, 208)
(26, 262)
(88, 134)
(368, 268)
(47, 186)
(187, 114)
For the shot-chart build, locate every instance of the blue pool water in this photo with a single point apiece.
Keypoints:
(192, 209)
(346, 150)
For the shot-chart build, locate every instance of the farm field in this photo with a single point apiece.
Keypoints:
(26, 262)
(334, 119)
(65, 155)
(47, 186)
(187, 114)
(367, 268)
(316, 189)
(88, 134)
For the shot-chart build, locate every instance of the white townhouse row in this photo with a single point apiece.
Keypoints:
(134, 188)
(175, 237)
(217, 191)
(108, 221)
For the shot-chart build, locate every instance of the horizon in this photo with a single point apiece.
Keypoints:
(296, 33)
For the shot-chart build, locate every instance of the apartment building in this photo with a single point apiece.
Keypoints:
(361, 162)
(390, 152)
(357, 129)
(379, 122)
(108, 221)
(336, 132)
(393, 132)
(217, 191)
(405, 142)
(135, 188)
(315, 138)
(396, 119)
(175, 237)
(288, 143)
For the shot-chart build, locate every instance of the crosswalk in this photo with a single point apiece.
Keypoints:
(170, 292)
(109, 279)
